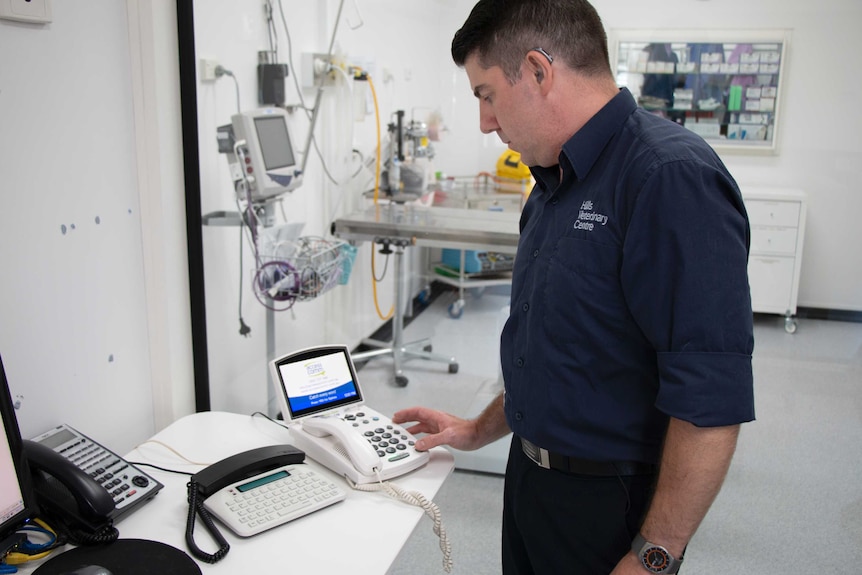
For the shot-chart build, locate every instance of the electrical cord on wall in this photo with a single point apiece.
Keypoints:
(222, 71)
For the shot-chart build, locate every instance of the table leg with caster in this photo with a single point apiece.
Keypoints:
(400, 351)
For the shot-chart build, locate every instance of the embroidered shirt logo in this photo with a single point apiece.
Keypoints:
(587, 218)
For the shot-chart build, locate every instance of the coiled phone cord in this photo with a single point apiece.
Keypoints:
(196, 507)
(71, 533)
(419, 500)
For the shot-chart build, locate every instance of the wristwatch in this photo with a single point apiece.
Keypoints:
(655, 558)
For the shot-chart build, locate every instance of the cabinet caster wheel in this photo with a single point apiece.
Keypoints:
(424, 296)
(790, 325)
(456, 309)
(401, 380)
(453, 368)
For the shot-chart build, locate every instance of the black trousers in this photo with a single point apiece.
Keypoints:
(557, 523)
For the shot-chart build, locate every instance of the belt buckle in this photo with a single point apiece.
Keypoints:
(536, 453)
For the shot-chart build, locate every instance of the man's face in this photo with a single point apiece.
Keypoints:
(505, 109)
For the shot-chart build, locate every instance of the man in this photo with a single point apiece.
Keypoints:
(627, 354)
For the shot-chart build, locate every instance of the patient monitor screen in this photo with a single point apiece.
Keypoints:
(314, 383)
(274, 142)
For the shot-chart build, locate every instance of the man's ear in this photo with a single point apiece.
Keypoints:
(540, 70)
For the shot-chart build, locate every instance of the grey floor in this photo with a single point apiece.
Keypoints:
(792, 501)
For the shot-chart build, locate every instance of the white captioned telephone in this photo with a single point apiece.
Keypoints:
(323, 405)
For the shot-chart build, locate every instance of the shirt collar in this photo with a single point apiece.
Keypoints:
(582, 150)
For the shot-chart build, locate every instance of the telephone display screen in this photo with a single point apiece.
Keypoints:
(55, 440)
(262, 481)
(314, 383)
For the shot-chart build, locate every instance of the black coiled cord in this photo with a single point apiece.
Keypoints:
(196, 507)
(107, 534)
(70, 532)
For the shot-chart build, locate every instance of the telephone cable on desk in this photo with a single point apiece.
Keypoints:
(413, 498)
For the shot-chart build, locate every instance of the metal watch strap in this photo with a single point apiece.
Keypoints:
(646, 551)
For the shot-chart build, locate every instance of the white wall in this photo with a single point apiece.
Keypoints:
(95, 321)
(74, 311)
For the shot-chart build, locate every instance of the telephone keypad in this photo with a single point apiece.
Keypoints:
(391, 442)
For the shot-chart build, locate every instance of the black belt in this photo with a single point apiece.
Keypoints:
(548, 460)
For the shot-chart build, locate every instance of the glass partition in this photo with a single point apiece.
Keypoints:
(724, 86)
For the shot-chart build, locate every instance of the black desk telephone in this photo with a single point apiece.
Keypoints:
(63, 489)
(82, 486)
(221, 488)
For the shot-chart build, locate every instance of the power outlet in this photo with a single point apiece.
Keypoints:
(33, 11)
(313, 65)
(207, 69)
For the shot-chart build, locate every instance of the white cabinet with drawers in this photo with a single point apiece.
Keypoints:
(777, 218)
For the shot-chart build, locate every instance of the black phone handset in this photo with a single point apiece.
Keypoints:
(221, 474)
(69, 497)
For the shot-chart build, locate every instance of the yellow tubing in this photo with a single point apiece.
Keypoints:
(376, 193)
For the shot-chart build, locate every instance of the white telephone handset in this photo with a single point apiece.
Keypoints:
(358, 443)
(361, 454)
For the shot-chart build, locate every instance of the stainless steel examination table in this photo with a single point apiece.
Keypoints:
(403, 225)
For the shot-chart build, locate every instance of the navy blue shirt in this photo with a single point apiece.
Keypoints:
(630, 297)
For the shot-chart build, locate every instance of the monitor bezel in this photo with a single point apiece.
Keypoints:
(9, 527)
(287, 413)
(265, 182)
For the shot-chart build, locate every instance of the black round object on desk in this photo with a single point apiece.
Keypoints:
(124, 557)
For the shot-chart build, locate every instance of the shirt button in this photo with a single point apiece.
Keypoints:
(519, 416)
(535, 253)
(526, 307)
(519, 362)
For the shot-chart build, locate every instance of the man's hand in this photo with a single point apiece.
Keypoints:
(446, 429)
(442, 428)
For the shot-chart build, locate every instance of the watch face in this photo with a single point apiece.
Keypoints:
(655, 559)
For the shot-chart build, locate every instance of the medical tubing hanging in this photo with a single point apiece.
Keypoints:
(380, 314)
(379, 151)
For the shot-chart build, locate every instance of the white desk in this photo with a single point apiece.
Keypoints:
(362, 534)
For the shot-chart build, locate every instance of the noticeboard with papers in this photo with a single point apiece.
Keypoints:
(724, 86)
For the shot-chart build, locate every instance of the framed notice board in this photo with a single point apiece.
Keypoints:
(724, 86)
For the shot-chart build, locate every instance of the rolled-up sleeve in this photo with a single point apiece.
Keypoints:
(685, 280)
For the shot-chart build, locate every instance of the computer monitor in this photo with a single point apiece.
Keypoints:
(17, 501)
(267, 161)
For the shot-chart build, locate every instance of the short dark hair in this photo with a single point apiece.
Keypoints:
(501, 32)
